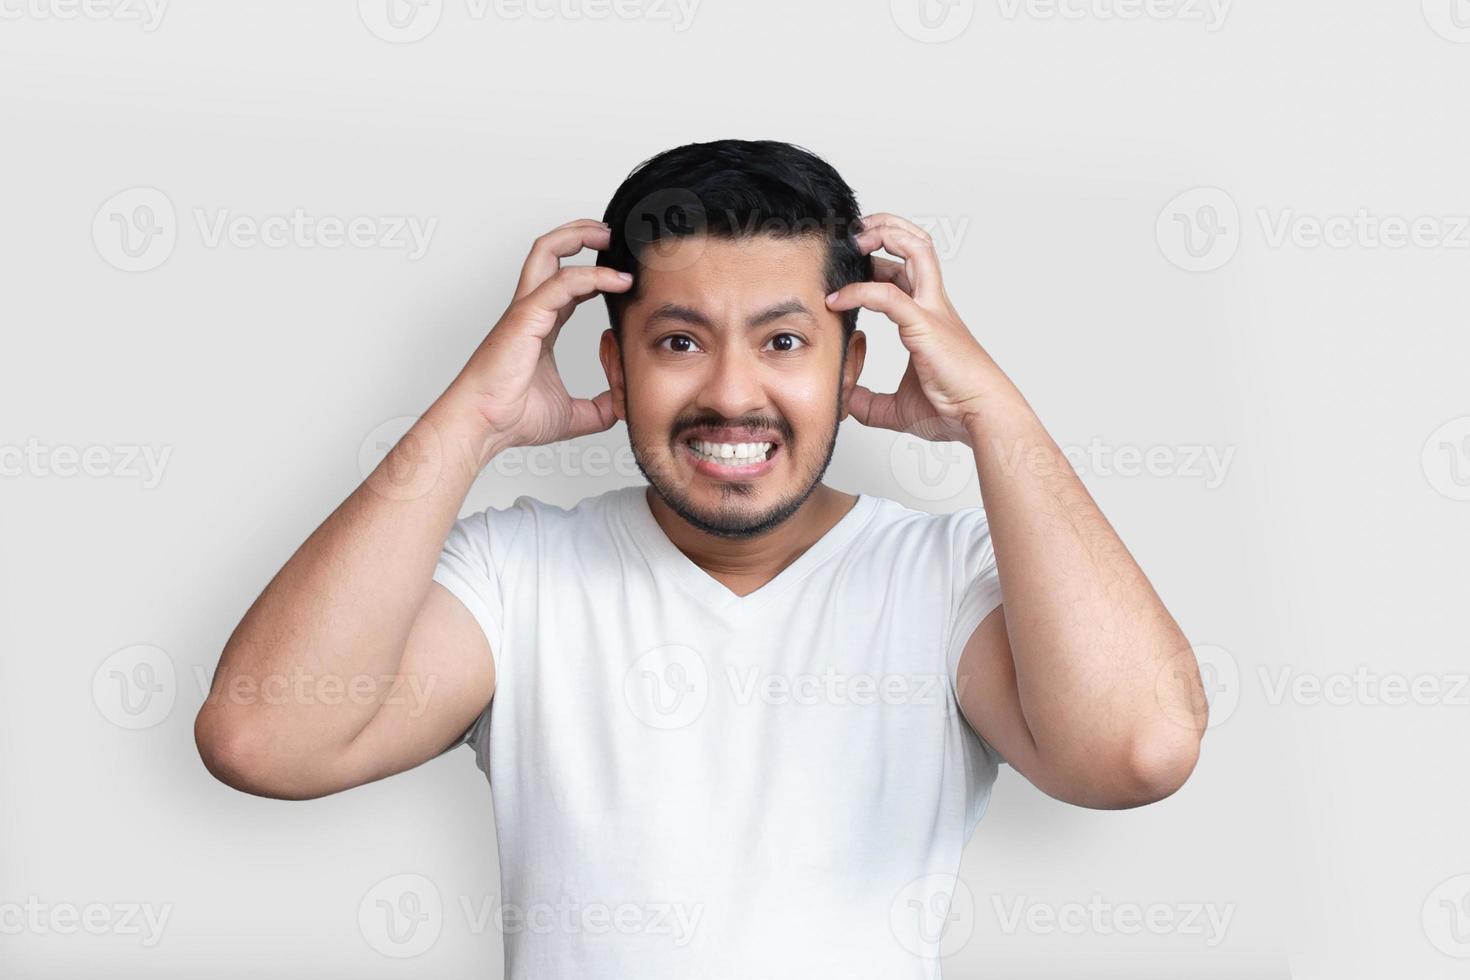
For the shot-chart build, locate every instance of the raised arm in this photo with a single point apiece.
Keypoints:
(353, 664)
(1081, 679)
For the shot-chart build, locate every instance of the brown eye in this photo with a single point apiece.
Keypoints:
(780, 349)
(677, 338)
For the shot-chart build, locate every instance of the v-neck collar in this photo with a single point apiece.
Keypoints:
(713, 594)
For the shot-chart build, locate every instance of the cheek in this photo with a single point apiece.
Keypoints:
(808, 409)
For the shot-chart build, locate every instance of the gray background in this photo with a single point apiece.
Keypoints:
(1048, 149)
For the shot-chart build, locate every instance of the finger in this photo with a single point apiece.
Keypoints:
(918, 254)
(560, 242)
(881, 297)
(887, 270)
(565, 289)
(888, 218)
(591, 415)
(878, 411)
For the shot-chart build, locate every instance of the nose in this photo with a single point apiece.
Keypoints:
(734, 387)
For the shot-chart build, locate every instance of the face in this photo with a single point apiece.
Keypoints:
(732, 378)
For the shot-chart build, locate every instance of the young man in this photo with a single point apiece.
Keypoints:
(762, 714)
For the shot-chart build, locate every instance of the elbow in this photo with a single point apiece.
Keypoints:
(1145, 769)
(1159, 765)
(237, 754)
(227, 751)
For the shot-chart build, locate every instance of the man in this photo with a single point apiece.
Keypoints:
(737, 723)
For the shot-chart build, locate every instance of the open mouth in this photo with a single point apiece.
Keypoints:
(732, 455)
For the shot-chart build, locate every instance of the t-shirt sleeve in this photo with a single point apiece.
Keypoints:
(473, 566)
(974, 586)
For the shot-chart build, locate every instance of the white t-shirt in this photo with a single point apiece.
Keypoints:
(690, 784)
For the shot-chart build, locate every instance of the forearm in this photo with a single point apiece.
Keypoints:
(316, 654)
(1089, 637)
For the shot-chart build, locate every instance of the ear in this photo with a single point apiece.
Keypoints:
(612, 366)
(857, 349)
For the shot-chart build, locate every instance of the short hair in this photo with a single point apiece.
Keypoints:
(733, 189)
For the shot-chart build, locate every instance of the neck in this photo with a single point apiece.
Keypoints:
(753, 561)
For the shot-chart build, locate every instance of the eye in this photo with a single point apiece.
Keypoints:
(677, 337)
(789, 337)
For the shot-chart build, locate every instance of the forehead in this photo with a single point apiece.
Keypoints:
(732, 274)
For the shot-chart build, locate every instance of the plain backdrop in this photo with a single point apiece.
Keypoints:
(1124, 194)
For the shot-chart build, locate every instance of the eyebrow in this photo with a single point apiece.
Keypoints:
(687, 314)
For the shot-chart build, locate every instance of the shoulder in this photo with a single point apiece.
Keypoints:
(529, 517)
(896, 523)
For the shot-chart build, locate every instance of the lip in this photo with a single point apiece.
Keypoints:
(719, 471)
(733, 435)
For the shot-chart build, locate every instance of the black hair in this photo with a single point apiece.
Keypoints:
(733, 189)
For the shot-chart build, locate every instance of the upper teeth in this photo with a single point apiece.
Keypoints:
(732, 450)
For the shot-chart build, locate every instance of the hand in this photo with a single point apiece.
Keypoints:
(948, 371)
(512, 379)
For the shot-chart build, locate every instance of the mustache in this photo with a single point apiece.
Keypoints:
(775, 425)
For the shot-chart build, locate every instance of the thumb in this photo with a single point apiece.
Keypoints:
(870, 409)
(590, 415)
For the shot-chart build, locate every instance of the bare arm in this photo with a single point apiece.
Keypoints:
(349, 631)
(1083, 681)
(353, 664)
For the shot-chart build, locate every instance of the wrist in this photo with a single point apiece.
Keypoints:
(999, 407)
(466, 437)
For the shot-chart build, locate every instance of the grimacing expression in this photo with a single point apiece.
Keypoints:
(732, 378)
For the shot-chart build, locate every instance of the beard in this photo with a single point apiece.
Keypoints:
(731, 519)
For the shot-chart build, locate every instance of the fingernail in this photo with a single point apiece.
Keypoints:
(831, 297)
(625, 276)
